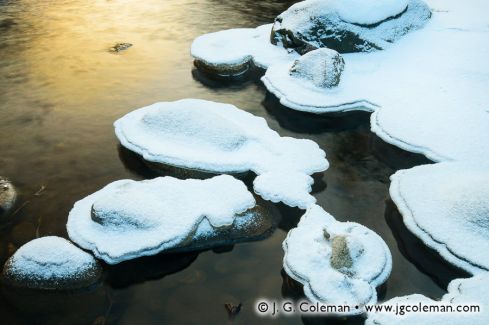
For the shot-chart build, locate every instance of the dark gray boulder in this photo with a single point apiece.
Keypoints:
(313, 24)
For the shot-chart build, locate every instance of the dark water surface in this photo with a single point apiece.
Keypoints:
(61, 90)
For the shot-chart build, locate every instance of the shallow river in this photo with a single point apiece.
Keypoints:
(61, 90)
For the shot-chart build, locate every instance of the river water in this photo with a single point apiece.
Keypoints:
(61, 90)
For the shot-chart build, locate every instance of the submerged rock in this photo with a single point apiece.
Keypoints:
(128, 219)
(51, 263)
(460, 292)
(445, 204)
(339, 263)
(8, 196)
(232, 52)
(220, 138)
(323, 67)
(119, 47)
(347, 25)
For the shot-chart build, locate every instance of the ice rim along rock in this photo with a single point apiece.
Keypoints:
(428, 91)
(51, 263)
(339, 263)
(460, 291)
(232, 52)
(220, 138)
(445, 205)
(129, 219)
(347, 25)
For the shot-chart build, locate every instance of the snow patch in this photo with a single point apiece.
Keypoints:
(229, 51)
(369, 12)
(444, 204)
(460, 291)
(220, 138)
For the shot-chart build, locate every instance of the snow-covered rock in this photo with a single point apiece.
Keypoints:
(51, 263)
(369, 12)
(322, 68)
(446, 205)
(460, 292)
(339, 263)
(8, 196)
(220, 138)
(128, 219)
(347, 25)
(428, 91)
(230, 52)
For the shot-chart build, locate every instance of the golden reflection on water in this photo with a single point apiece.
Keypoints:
(68, 55)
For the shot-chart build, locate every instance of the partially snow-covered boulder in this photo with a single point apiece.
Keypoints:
(471, 291)
(231, 52)
(51, 263)
(428, 91)
(347, 25)
(338, 263)
(128, 219)
(322, 67)
(446, 205)
(8, 196)
(220, 138)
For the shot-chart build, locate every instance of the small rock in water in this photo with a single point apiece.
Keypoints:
(8, 196)
(323, 67)
(119, 47)
(233, 310)
(51, 263)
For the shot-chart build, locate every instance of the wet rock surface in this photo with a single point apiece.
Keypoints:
(8, 196)
(119, 47)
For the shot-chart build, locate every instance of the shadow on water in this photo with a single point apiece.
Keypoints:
(424, 258)
(147, 268)
(145, 169)
(395, 157)
(213, 81)
(290, 216)
(303, 122)
(135, 164)
(90, 306)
